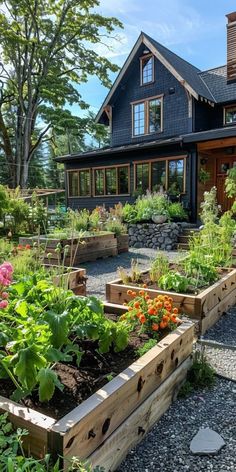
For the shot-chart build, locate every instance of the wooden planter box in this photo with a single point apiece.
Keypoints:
(106, 425)
(206, 307)
(122, 243)
(74, 280)
(93, 247)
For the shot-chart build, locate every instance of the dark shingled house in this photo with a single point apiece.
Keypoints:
(171, 125)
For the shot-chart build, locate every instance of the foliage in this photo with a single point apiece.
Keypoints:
(134, 276)
(203, 176)
(202, 271)
(146, 347)
(159, 267)
(230, 183)
(150, 315)
(38, 215)
(177, 212)
(201, 375)
(174, 281)
(43, 325)
(47, 51)
(152, 204)
(209, 207)
(116, 226)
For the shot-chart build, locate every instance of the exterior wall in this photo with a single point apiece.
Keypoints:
(207, 117)
(129, 158)
(175, 106)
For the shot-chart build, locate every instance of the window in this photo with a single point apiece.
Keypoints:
(154, 122)
(230, 115)
(176, 176)
(111, 180)
(167, 174)
(79, 183)
(142, 177)
(147, 116)
(139, 119)
(147, 69)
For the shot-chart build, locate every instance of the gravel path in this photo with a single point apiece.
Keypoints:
(223, 361)
(105, 270)
(166, 446)
(225, 330)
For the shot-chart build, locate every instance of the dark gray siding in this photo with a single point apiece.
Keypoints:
(175, 106)
(207, 117)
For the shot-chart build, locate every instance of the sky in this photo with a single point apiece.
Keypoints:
(193, 29)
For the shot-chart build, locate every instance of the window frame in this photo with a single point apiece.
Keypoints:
(142, 58)
(68, 183)
(146, 115)
(166, 159)
(224, 115)
(104, 180)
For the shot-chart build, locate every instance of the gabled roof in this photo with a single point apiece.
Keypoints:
(216, 80)
(183, 71)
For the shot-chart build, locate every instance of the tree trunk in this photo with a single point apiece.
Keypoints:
(10, 161)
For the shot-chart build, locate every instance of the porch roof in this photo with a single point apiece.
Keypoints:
(218, 133)
(118, 149)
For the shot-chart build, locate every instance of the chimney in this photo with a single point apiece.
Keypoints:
(231, 47)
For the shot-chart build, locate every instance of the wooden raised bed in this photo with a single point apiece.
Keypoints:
(91, 248)
(74, 280)
(206, 307)
(98, 430)
(122, 243)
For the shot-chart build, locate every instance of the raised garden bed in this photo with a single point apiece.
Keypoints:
(92, 247)
(206, 307)
(74, 280)
(122, 243)
(97, 429)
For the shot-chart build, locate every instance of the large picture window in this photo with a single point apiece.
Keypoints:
(79, 184)
(147, 69)
(230, 115)
(147, 116)
(162, 174)
(111, 181)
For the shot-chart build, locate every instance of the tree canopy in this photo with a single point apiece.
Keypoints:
(47, 49)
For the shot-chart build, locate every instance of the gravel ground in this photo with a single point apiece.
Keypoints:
(105, 270)
(166, 446)
(225, 330)
(223, 361)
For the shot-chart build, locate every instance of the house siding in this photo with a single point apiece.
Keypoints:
(207, 117)
(175, 106)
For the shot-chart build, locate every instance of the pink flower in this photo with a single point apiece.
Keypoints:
(3, 304)
(8, 266)
(4, 295)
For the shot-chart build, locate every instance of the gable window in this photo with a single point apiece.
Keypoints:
(230, 115)
(79, 183)
(147, 116)
(147, 69)
(112, 180)
(163, 174)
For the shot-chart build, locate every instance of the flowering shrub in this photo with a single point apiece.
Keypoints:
(6, 271)
(151, 315)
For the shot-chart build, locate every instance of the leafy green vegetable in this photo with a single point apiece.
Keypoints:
(48, 380)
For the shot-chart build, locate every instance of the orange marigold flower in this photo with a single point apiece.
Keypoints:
(130, 308)
(151, 311)
(141, 292)
(165, 318)
(133, 294)
(142, 319)
(173, 318)
(155, 327)
(175, 310)
(136, 305)
(144, 285)
(129, 292)
(147, 297)
(163, 324)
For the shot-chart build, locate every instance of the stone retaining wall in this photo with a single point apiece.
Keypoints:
(155, 236)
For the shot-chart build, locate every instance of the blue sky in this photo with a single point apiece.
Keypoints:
(194, 29)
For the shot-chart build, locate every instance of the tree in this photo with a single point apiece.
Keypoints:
(47, 50)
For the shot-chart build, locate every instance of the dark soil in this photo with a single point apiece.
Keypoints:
(94, 372)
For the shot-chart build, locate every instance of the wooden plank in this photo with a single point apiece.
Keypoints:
(217, 311)
(214, 294)
(110, 454)
(37, 424)
(100, 415)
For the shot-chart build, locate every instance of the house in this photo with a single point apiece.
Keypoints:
(172, 126)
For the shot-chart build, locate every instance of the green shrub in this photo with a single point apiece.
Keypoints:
(176, 211)
(116, 226)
